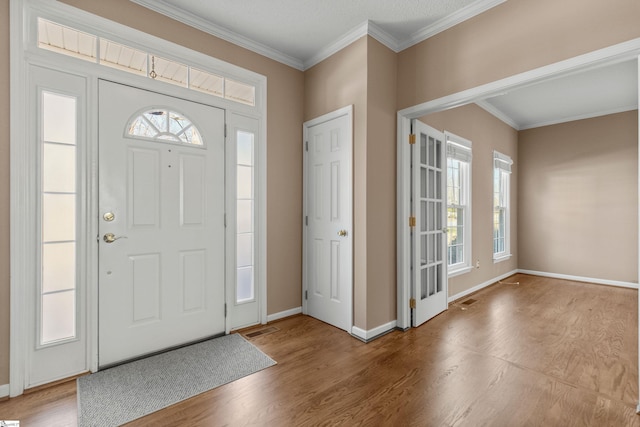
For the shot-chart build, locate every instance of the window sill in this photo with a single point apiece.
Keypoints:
(458, 271)
(501, 258)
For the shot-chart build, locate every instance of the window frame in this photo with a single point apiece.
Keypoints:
(460, 149)
(502, 167)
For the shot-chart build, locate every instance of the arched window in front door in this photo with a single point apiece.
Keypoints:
(163, 124)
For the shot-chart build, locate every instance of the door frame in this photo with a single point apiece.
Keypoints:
(344, 111)
(617, 53)
(24, 170)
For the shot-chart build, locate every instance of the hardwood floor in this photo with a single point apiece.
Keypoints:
(545, 352)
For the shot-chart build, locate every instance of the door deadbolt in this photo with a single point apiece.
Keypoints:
(109, 216)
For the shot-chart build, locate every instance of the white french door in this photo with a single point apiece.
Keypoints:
(328, 237)
(428, 240)
(161, 224)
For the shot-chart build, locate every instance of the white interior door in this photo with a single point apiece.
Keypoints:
(429, 205)
(161, 204)
(328, 218)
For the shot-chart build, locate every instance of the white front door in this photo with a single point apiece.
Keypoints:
(328, 210)
(429, 205)
(161, 225)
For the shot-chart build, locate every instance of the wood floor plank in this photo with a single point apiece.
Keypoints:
(545, 352)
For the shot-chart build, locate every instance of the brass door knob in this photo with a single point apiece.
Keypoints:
(342, 233)
(110, 237)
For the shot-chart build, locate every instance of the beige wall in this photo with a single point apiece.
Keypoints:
(486, 134)
(514, 37)
(381, 185)
(285, 87)
(517, 36)
(336, 82)
(284, 151)
(4, 192)
(579, 198)
(364, 75)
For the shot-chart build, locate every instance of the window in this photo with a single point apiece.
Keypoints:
(245, 287)
(501, 176)
(58, 222)
(71, 42)
(164, 125)
(458, 205)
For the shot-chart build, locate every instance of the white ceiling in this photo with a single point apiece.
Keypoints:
(301, 33)
(596, 92)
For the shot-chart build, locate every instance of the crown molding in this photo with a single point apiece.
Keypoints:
(499, 114)
(383, 37)
(203, 25)
(366, 28)
(449, 21)
(592, 115)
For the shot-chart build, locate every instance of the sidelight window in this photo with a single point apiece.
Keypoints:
(245, 239)
(58, 225)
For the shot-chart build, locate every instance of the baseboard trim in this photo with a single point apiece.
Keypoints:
(283, 314)
(480, 286)
(374, 333)
(4, 390)
(617, 283)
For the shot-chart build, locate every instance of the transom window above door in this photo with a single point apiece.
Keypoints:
(93, 48)
(164, 125)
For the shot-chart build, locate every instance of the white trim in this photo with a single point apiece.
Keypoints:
(616, 283)
(366, 28)
(606, 56)
(201, 24)
(373, 333)
(23, 51)
(403, 231)
(638, 260)
(502, 257)
(497, 113)
(4, 390)
(617, 53)
(502, 116)
(459, 271)
(466, 13)
(480, 286)
(283, 314)
(20, 182)
(581, 117)
(344, 41)
(383, 37)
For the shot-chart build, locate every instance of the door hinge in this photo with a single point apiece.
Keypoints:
(306, 220)
(225, 309)
(412, 303)
(225, 130)
(225, 220)
(306, 146)
(412, 138)
(412, 221)
(306, 294)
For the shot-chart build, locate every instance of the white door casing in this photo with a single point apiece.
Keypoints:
(328, 221)
(25, 167)
(161, 282)
(429, 207)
